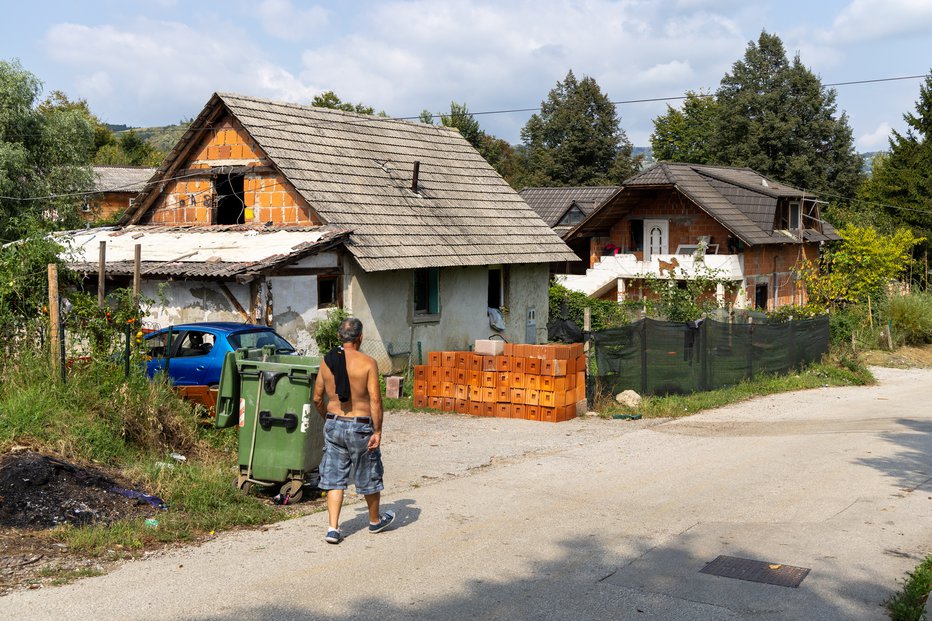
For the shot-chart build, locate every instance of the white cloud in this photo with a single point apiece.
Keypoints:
(875, 140)
(405, 56)
(133, 74)
(282, 20)
(866, 20)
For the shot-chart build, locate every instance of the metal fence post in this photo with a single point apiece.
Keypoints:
(644, 356)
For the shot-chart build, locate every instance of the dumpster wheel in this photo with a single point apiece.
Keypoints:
(242, 483)
(291, 491)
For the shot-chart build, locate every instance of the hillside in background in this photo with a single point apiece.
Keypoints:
(160, 138)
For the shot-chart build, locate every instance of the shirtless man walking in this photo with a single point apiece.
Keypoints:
(349, 379)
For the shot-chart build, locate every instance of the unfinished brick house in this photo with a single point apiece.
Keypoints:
(274, 213)
(677, 220)
(115, 188)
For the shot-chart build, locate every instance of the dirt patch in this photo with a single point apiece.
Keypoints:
(39, 493)
(901, 358)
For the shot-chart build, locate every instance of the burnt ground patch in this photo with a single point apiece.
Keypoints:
(39, 493)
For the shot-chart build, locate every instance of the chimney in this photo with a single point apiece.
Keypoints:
(417, 168)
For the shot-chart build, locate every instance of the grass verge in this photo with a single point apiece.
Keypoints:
(909, 603)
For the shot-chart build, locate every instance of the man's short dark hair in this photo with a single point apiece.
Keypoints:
(350, 329)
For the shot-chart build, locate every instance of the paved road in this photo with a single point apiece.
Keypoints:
(587, 519)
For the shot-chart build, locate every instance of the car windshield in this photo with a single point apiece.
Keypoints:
(259, 339)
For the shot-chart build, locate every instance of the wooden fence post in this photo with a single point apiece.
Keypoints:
(55, 335)
(102, 274)
(137, 273)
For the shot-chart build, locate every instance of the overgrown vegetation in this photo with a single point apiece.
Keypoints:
(687, 299)
(909, 604)
(325, 332)
(571, 305)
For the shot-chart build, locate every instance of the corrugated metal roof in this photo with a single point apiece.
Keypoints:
(197, 251)
(551, 204)
(356, 172)
(131, 179)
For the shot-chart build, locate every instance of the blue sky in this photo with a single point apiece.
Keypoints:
(154, 62)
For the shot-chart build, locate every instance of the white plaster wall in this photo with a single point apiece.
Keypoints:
(383, 301)
(294, 310)
(294, 305)
(186, 301)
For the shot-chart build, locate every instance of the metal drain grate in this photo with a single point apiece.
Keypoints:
(756, 571)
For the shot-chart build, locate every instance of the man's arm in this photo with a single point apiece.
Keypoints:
(319, 391)
(375, 405)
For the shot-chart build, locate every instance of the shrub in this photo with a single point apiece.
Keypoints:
(566, 304)
(911, 318)
(325, 332)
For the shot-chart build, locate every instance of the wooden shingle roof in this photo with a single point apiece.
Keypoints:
(356, 173)
(130, 179)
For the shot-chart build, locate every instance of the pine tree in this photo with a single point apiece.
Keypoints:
(902, 179)
(576, 139)
(776, 117)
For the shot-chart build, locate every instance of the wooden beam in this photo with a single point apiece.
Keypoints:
(232, 298)
(137, 263)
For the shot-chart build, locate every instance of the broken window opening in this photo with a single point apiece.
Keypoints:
(760, 296)
(327, 292)
(231, 199)
(496, 294)
(427, 291)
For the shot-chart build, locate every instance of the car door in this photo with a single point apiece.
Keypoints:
(157, 350)
(192, 362)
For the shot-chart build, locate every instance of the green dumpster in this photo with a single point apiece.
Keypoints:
(269, 397)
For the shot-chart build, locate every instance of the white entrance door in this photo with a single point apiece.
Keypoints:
(656, 238)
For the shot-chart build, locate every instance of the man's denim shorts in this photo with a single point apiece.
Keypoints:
(345, 442)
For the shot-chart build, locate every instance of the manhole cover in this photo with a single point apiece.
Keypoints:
(756, 571)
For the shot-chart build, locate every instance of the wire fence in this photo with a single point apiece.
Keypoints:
(663, 358)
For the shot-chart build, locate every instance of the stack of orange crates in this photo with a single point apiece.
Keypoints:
(533, 382)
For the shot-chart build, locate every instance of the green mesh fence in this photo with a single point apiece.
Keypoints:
(662, 358)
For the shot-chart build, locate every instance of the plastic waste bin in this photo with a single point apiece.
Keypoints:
(269, 397)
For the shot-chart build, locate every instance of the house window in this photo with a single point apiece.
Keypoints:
(790, 217)
(574, 215)
(327, 291)
(760, 296)
(231, 199)
(427, 291)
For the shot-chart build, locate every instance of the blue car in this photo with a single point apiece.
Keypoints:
(195, 356)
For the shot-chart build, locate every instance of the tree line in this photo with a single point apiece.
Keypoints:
(769, 113)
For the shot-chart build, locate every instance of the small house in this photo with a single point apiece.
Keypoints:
(275, 213)
(680, 221)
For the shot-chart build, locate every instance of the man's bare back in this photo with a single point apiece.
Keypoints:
(364, 383)
(365, 395)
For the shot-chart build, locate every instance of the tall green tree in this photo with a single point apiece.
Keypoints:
(576, 139)
(129, 149)
(684, 134)
(44, 157)
(900, 189)
(776, 117)
(499, 153)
